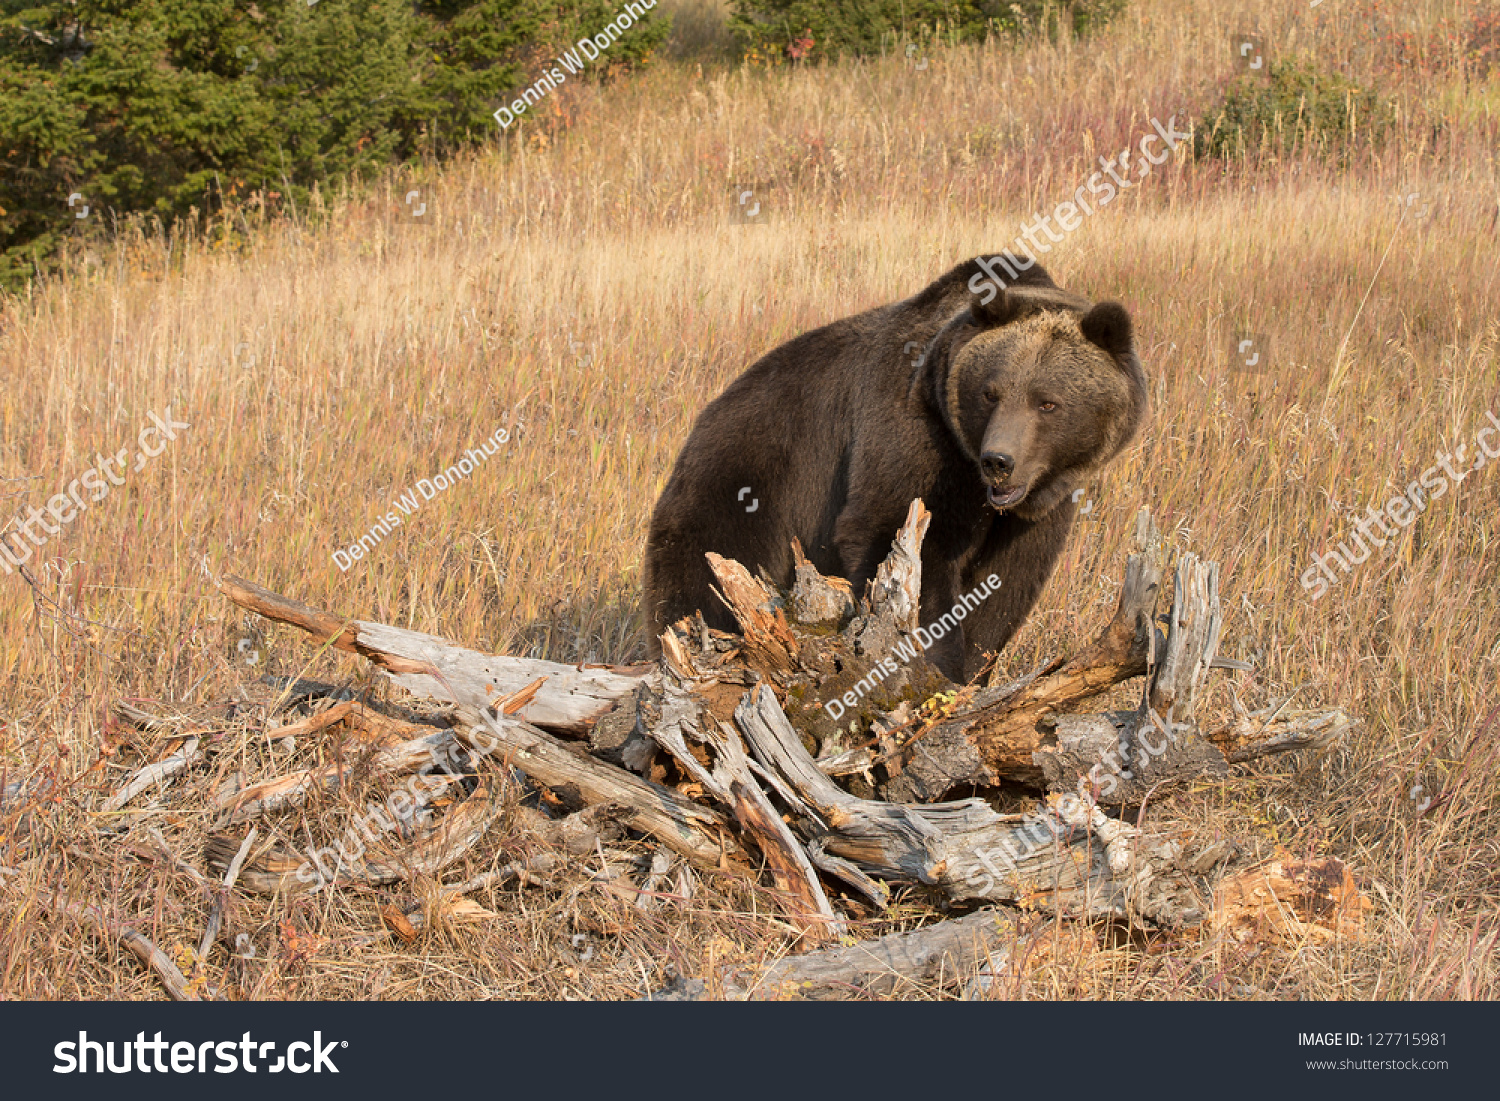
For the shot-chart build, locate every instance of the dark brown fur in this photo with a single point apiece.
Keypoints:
(837, 430)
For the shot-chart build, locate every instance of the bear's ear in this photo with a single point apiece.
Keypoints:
(1108, 326)
(1001, 310)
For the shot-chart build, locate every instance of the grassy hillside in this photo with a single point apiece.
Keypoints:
(585, 286)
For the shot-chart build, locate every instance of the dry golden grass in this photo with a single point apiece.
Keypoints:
(586, 288)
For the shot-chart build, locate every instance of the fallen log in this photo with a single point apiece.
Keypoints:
(1066, 856)
(693, 831)
(571, 699)
(997, 733)
(882, 967)
(696, 832)
(730, 780)
(916, 737)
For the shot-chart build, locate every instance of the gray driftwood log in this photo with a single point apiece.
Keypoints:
(571, 698)
(882, 967)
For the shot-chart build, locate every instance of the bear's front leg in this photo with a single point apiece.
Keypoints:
(942, 629)
(862, 535)
(1021, 554)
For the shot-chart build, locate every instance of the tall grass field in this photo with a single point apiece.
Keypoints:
(589, 282)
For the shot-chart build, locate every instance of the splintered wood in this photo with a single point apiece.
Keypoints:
(1292, 901)
(722, 754)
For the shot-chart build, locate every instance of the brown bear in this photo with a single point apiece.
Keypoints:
(992, 407)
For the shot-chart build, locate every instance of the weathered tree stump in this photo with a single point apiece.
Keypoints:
(822, 682)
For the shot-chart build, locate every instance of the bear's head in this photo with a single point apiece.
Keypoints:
(1039, 388)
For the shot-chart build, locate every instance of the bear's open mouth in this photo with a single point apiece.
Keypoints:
(1005, 496)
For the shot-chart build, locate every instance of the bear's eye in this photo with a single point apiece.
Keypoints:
(992, 394)
(1048, 406)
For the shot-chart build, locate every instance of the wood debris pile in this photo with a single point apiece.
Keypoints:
(726, 756)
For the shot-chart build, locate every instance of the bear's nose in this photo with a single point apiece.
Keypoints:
(996, 466)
